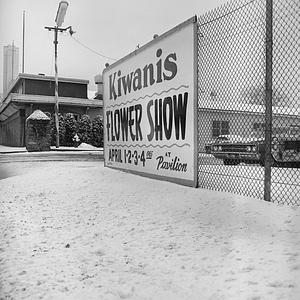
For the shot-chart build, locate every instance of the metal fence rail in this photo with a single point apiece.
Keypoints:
(232, 95)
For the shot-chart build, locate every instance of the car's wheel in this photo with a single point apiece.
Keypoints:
(230, 162)
(263, 162)
(275, 150)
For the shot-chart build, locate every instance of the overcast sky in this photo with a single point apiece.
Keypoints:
(112, 28)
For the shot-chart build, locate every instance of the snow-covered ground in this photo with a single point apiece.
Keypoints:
(249, 180)
(77, 230)
(81, 147)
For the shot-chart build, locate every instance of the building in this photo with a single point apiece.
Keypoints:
(10, 65)
(238, 118)
(31, 92)
(99, 82)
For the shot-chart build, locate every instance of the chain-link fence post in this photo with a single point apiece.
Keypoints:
(268, 99)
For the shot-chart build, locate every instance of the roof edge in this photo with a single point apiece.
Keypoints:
(40, 77)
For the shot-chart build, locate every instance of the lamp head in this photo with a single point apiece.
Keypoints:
(61, 12)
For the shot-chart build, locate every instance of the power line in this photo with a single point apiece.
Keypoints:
(85, 46)
(227, 14)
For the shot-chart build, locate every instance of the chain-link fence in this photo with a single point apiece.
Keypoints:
(234, 64)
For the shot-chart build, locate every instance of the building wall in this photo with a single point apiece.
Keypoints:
(47, 88)
(64, 109)
(12, 130)
(93, 113)
(241, 124)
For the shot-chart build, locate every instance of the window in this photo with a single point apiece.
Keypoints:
(220, 128)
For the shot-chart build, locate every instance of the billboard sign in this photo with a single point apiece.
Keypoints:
(150, 109)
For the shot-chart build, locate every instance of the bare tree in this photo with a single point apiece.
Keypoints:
(256, 95)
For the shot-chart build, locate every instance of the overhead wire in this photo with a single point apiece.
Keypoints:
(94, 51)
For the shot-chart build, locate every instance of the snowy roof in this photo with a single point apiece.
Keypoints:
(38, 115)
(40, 77)
(239, 106)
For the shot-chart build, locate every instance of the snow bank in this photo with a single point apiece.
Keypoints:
(77, 230)
(87, 147)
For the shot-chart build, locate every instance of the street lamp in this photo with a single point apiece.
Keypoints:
(61, 12)
(60, 15)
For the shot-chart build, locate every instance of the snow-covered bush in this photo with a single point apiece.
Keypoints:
(88, 131)
(84, 129)
(70, 129)
(97, 134)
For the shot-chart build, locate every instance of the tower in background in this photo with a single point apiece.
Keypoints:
(10, 65)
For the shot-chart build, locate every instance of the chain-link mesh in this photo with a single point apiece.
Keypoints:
(231, 99)
(285, 186)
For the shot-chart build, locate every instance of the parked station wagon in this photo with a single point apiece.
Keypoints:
(225, 138)
(285, 148)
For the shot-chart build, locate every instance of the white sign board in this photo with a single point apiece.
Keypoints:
(150, 108)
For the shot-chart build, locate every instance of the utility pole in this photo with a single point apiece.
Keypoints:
(23, 48)
(60, 15)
